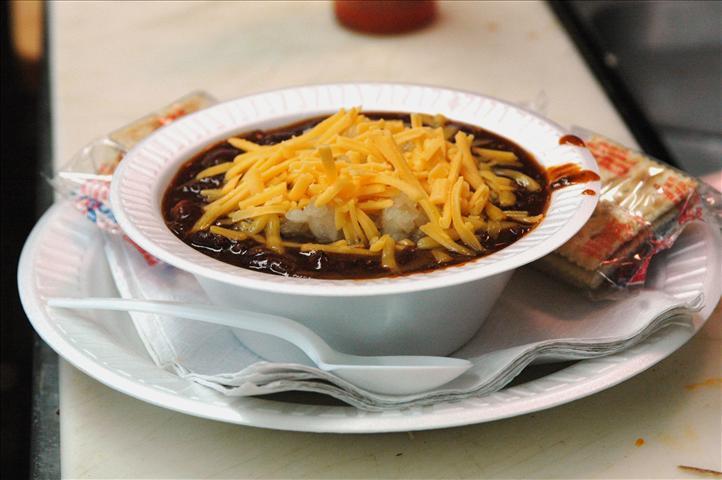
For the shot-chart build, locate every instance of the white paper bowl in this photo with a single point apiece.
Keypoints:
(431, 313)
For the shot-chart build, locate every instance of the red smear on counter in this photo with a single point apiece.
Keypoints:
(710, 382)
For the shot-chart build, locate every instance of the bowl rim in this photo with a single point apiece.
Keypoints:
(180, 140)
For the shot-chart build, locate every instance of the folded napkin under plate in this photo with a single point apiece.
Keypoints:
(535, 320)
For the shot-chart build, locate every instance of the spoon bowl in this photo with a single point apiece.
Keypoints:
(389, 375)
(398, 375)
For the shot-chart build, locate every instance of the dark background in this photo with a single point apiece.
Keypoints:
(21, 141)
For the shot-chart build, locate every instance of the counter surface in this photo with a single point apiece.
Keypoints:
(113, 62)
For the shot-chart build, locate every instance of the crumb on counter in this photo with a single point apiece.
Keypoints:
(701, 471)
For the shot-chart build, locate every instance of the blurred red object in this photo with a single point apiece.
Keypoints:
(385, 16)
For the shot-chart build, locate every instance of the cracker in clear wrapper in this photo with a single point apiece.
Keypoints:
(643, 206)
(609, 228)
(99, 158)
(86, 177)
(127, 137)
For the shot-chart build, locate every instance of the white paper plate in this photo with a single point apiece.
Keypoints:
(63, 256)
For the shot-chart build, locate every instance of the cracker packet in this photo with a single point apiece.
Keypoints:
(643, 206)
(86, 177)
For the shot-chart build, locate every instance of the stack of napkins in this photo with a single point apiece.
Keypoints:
(554, 323)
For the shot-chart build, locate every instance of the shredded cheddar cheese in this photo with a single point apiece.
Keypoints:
(354, 168)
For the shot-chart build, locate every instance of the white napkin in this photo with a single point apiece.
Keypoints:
(536, 319)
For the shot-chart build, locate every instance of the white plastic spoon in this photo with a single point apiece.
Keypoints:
(391, 375)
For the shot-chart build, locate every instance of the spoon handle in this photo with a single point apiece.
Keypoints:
(311, 344)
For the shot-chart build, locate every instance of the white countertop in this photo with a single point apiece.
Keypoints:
(113, 62)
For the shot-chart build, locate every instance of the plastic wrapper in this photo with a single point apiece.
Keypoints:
(643, 206)
(86, 177)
